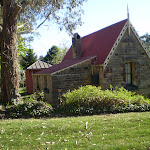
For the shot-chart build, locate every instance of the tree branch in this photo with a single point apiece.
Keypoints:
(31, 31)
(43, 21)
(26, 21)
(26, 32)
(16, 11)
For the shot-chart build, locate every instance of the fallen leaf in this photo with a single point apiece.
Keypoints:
(86, 125)
(53, 143)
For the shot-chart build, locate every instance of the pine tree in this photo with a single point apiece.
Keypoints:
(28, 59)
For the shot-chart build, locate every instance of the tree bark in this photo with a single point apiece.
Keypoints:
(9, 61)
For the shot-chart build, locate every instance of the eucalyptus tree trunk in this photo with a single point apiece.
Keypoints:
(9, 63)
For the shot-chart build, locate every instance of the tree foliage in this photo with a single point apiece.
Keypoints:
(22, 47)
(28, 59)
(54, 55)
(65, 13)
(146, 39)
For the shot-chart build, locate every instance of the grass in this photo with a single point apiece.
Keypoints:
(101, 132)
(23, 91)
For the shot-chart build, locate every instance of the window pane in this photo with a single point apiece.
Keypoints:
(128, 78)
(128, 73)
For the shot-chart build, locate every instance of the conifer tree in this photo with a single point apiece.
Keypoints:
(28, 59)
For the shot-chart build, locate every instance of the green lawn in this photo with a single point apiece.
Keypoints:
(101, 132)
(23, 91)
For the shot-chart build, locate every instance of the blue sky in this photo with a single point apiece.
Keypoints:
(97, 15)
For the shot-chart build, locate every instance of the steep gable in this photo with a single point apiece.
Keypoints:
(130, 28)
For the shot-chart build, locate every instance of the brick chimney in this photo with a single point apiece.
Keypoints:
(76, 46)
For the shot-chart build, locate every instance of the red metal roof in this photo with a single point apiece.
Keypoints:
(65, 64)
(97, 44)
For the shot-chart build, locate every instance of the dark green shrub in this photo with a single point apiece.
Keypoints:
(31, 106)
(29, 109)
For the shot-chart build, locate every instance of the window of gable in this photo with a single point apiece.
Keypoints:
(128, 73)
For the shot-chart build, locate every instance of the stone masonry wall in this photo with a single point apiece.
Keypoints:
(71, 78)
(129, 50)
(43, 83)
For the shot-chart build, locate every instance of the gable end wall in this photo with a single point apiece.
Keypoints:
(129, 50)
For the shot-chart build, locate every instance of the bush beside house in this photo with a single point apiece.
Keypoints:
(89, 100)
(86, 100)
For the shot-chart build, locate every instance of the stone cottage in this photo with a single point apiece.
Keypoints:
(35, 67)
(114, 55)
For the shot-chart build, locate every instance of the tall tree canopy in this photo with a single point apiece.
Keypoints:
(28, 59)
(53, 55)
(65, 13)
